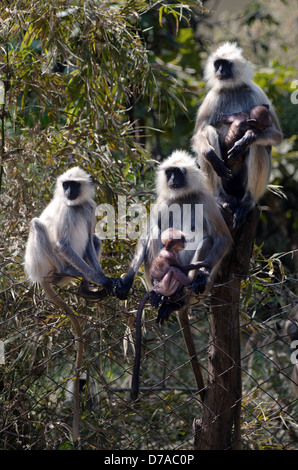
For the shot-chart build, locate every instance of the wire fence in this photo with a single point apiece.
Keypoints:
(38, 366)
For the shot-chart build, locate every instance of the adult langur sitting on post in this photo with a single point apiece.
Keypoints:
(181, 192)
(62, 246)
(231, 90)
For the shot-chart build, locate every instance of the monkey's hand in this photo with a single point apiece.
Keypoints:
(218, 164)
(108, 284)
(237, 150)
(155, 299)
(200, 281)
(123, 287)
(240, 147)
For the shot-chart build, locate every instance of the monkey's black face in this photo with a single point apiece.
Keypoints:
(176, 177)
(72, 189)
(223, 69)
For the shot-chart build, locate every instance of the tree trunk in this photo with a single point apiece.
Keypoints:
(219, 426)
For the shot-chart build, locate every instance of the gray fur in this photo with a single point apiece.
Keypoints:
(61, 240)
(216, 238)
(226, 97)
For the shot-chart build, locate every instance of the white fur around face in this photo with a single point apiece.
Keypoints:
(242, 70)
(179, 159)
(75, 174)
(59, 222)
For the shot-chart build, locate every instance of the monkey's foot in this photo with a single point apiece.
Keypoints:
(91, 295)
(241, 211)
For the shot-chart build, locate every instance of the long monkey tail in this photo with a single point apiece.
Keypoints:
(52, 296)
(138, 345)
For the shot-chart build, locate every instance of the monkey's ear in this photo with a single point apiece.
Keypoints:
(92, 181)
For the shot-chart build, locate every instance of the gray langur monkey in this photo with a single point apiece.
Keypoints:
(181, 191)
(228, 77)
(62, 245)
(61, 242)
(181, 194)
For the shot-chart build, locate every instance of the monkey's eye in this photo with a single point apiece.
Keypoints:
(223, 63)
(66, 185)
(175, 170)
(169, 172)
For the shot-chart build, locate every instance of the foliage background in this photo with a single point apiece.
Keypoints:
(114, 86)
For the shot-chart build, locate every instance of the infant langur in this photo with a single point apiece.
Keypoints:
(168, 278)
(166, 272)
(243, 124)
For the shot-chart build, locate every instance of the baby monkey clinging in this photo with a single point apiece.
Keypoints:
(242, 125)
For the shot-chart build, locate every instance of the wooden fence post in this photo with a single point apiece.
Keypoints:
(219, 426)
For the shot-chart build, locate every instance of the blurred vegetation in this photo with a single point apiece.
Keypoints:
(115, 86)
